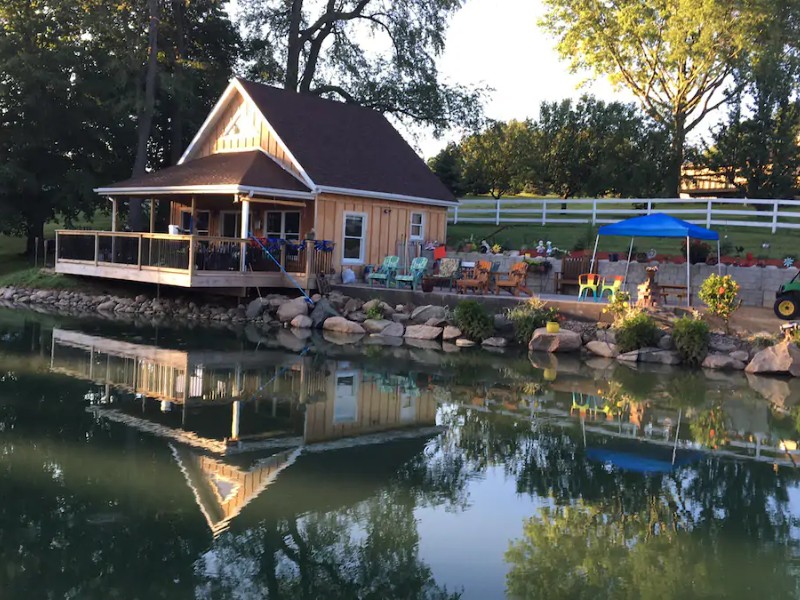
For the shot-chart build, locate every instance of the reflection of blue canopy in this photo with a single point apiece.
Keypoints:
(640, 464)
(658, 225)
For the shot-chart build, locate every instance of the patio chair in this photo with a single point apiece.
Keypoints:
(588, 282)
(612, 289)
(515, 283)
(571, 268)
(386, 272)
(448, 272)
(479, 280)
(418, 267)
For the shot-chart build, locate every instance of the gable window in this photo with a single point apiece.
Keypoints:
(417, 231)
(202, 219)
(354, 238)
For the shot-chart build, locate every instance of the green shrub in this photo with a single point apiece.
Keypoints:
(720, 294)
(618, 305)
(529, 316)
(636, 330)
(374, 312)
(691, 335)
(473, 320)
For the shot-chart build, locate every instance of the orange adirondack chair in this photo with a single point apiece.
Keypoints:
(479, 280)
(515, 283)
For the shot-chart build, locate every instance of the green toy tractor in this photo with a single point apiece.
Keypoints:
(787, 300)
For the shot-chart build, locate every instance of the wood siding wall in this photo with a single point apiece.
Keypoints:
(263, 136)
(387, 223)
(378, 410)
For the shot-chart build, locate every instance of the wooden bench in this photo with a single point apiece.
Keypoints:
(571, 269)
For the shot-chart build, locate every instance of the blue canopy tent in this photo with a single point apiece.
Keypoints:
(662, 226)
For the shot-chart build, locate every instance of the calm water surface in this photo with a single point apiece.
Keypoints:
(143, 462)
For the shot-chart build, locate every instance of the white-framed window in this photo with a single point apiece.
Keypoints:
(230, 223)
(283, 224)
(354, 238)
(417, 226)
(345, 402)
(201, 224)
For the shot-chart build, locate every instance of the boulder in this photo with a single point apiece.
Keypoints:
(434, 322)
(422, 313)
(302, 322)
(721, 344)
(107, 306)
(780, 359)
(563, 341)
(651, 355)
(256, 308)
(495, 342)
(741, 355)
(352, 305)
(665, 343)
(275, 300)
(464, 343)
(394, 330)
(387, 310)
(603, 349)
(358, 316)
(451, 333)
(722, 361)
(375, 325)
(289, 310)
(606, 335)
(370, 304)
(400, 318)
(322, 311)
(423, 332)
(342, 325)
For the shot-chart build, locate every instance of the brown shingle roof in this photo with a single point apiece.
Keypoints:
(346, 146)
(251, 168)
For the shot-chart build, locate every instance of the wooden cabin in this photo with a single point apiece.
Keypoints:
(276, 188)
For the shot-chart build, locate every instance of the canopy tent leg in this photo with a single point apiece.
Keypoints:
(719, 259)
(688, 273)
(628, 265)
(594, 253)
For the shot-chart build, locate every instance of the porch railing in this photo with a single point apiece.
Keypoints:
(191, 253)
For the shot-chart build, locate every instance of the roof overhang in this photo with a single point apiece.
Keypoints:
(204, 189)
(385, 196)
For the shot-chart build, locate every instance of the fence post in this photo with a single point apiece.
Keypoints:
(55, 256)
(96, 249)
(544, 212)
(455, 215)
(708, 214)
(497, 212)
(594, 211)
(139, 253)
(774, 216)
(649, 206)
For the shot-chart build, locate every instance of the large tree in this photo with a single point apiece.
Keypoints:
(676, 56)
(377, 53)
(495, 159)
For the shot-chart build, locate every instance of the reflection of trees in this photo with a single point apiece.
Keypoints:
(367, 551)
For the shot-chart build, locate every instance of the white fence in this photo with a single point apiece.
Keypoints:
(709, 212)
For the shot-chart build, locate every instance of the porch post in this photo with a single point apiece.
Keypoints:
(192, 216)
(245, 233)
(113, 214)
(152, 215)
(688, 272)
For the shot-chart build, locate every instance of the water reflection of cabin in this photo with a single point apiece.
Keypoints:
(279, 165)
(298, 399)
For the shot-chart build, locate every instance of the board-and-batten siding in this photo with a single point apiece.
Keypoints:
(387, 223)
(263, 135)
(377, 410)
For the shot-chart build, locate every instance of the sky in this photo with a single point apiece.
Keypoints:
(497, 44)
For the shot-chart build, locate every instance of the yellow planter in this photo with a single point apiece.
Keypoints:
(550, 374)
(553, 327)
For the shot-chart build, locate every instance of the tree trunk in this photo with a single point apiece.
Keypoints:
(673, 182)
(295, 48)
(145, 124)
(34, 232)
(179, 14)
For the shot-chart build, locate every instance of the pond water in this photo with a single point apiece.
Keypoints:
(143, 462)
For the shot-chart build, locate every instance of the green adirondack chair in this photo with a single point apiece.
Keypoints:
(417, 270)
(386, 272)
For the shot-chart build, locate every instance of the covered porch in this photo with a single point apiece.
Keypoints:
(235, 221)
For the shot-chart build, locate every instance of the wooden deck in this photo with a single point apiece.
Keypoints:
(189, 261)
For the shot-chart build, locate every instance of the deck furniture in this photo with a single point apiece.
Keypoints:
(515, 282)
(418, 267)
(571, 269)
(448, 272)
(665, 291)
(479, 281)
(588, 282)
(386, 272)
(611, 285)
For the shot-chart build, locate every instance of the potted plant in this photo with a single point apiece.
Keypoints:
(427, 284)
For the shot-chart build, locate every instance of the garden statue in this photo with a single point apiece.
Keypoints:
(648, 292)
(485, 247)
(540, 249)
(549, 249)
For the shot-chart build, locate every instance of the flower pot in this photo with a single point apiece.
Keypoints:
(550, 374)
(427, 285)
(553, 327)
